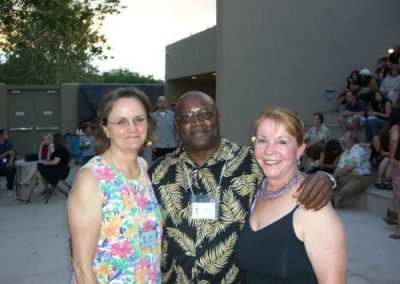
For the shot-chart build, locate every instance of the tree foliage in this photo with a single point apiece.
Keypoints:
(51, 41)
(124, 76)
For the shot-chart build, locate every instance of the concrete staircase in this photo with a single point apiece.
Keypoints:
(373, 200)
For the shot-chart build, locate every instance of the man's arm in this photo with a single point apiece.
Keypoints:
(11, 160)
(315, 191)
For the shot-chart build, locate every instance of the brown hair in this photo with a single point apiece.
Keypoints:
(107, 103)
(282, 116)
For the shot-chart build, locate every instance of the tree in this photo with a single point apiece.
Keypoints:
(49, 42)
(124, 76)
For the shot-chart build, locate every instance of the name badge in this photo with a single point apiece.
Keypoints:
(204, 207)
(149, 239)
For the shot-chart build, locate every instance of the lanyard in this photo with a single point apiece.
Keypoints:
(220, 177)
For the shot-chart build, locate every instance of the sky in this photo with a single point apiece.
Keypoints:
(139, 34)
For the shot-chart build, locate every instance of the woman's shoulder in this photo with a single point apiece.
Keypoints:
(324, 217)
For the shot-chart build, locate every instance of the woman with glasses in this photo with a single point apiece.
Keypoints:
(113, 216)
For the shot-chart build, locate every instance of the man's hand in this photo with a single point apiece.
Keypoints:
(315, 191)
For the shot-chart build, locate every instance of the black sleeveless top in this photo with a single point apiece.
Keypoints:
(274, 254)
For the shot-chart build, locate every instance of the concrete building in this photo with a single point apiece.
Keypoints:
(280, 53)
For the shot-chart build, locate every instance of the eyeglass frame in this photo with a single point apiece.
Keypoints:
(125, 123)
(203, 115)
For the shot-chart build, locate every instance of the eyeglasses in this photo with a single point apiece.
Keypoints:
(138, 121)
(189, 117)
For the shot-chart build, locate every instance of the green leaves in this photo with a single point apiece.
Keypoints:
(49, 42)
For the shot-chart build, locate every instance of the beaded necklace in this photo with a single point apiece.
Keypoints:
(265, 194)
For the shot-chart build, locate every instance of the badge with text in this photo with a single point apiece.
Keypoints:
(204, 207)
(149, 239)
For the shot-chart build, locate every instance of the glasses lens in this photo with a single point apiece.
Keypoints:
(188, 117)
(206, 115)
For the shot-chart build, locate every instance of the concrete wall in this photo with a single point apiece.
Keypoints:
(69, 107)
(286, 52)
(175, 88)
(195, 55)
(3, 106)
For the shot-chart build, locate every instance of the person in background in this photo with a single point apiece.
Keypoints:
(352, 84)
(114, 221)
(391, 84)
(382, 69)
(379, 159)
(329, 158)
(205, 189)
(44, 155)
(353, 114)
(377, 116)
(353, 171)
(49, 172)
(165, 140)
(281, 241)
(369, 86)
(86, 142)
(394, 155)
(316, 137)
(7, 159)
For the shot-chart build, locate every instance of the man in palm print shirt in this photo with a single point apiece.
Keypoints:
(205, 189)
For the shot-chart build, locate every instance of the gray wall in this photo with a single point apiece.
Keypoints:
(285, 53)
(3, 105)
(193, 55)
(175, 88)
(69, 107)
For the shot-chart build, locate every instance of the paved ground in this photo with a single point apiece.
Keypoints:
(34, 244)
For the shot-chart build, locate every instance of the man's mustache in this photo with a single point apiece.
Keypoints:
(198, 129)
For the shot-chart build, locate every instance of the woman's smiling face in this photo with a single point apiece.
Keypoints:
(276, 151)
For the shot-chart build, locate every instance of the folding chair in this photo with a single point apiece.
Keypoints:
(53, 187)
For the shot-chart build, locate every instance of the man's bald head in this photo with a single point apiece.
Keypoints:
(193, 96)
(162, 103)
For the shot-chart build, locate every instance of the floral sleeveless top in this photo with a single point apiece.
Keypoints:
(129, 245)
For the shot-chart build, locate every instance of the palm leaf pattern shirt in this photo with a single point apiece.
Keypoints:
(202, 251)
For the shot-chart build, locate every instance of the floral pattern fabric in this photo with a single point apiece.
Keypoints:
(357, 158)
(129, 210)
(314, 134)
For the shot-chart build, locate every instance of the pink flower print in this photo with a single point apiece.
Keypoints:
(143, 262)
(154, 273)
(122, 249)
(147, 226)
(141, 200)
(128, 198)
(105, 174)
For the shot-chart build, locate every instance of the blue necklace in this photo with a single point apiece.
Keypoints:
(265, 194)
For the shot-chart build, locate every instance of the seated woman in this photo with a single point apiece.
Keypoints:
(45, 149)
(281, 241)
(328, 159)
(378, 115)
(50, 172)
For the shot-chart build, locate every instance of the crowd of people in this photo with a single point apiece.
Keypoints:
(369, 102)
